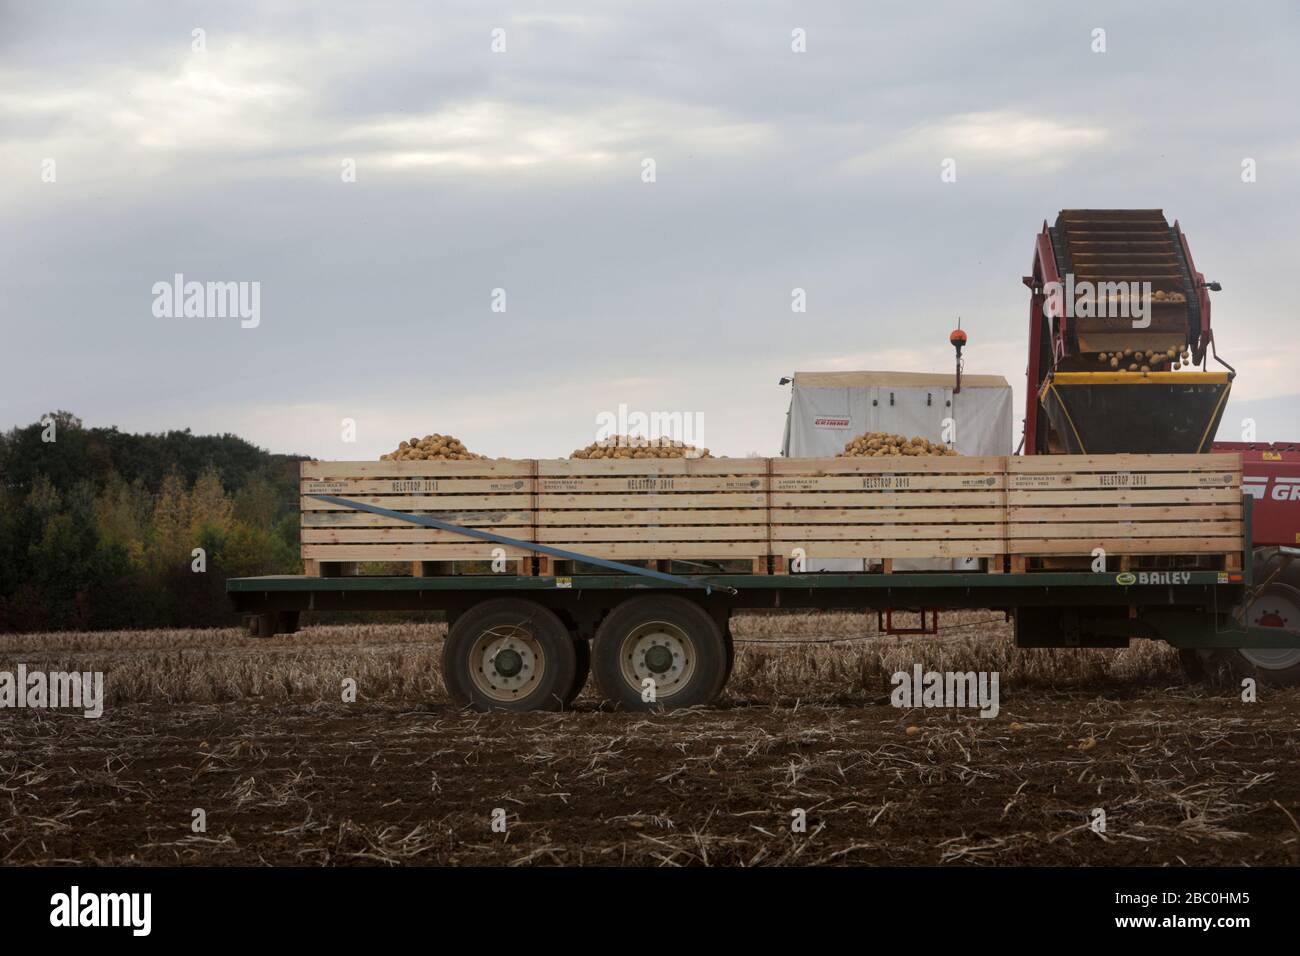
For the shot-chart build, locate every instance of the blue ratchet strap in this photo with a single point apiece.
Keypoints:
(428, 522)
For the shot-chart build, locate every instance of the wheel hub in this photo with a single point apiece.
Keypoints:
(659, 658)
(658, 651)
(506, 663)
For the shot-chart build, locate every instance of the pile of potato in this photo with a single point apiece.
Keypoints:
(884, 445)
(431, 447)
(1131, 360)
(634, 446)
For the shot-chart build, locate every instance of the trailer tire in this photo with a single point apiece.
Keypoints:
(509, 654)
(669, 640)
(731, 653)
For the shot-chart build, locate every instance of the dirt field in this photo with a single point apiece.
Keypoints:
(255, 733)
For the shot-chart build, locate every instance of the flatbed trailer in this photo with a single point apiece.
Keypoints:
(632, 570)
(607, 617)
(1066, 609)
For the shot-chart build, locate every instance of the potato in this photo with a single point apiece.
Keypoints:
(881, 445)
(637, 447)
(431, 448)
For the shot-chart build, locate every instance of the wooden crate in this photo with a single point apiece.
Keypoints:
(1182, 507)
(491, 495)
(655, 508)
(890, 508)
(1050, 510)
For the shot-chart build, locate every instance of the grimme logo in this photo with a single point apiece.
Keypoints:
(1099, 300)
(75, 908)
(1284, 488)
(946, 689)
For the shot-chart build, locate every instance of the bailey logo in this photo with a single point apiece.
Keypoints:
(1164, 577)
(1128, 577)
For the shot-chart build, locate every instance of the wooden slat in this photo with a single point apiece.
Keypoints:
(651, 483)
(889, 482)
(1031, 464)
(481, 551)
(333, 470)
(819, 532)
(666, 549)
(655, 516)
(864, 499)
(565, 467)
(721, 499)
(929, 464)
(1126, 479)
(410, 534)
(1082, 546)
(1123, 513)
(1124, 529)
(548, 534)
(351, 487)
(363, 519)
(1126, 497)
(426, 502)
(893, 549)
(886, 515)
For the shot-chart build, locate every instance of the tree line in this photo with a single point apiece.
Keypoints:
(98, 527)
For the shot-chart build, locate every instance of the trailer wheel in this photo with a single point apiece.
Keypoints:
(667, 640)
(509, 654)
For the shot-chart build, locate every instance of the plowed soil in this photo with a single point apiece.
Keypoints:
(255, 734)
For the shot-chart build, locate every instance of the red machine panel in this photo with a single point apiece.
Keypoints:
(1271, 476)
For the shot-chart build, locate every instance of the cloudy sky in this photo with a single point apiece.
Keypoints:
(224, 156)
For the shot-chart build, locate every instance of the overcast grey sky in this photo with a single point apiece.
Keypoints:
(522, 170)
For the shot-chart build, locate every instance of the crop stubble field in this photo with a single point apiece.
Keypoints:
(255, 733)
